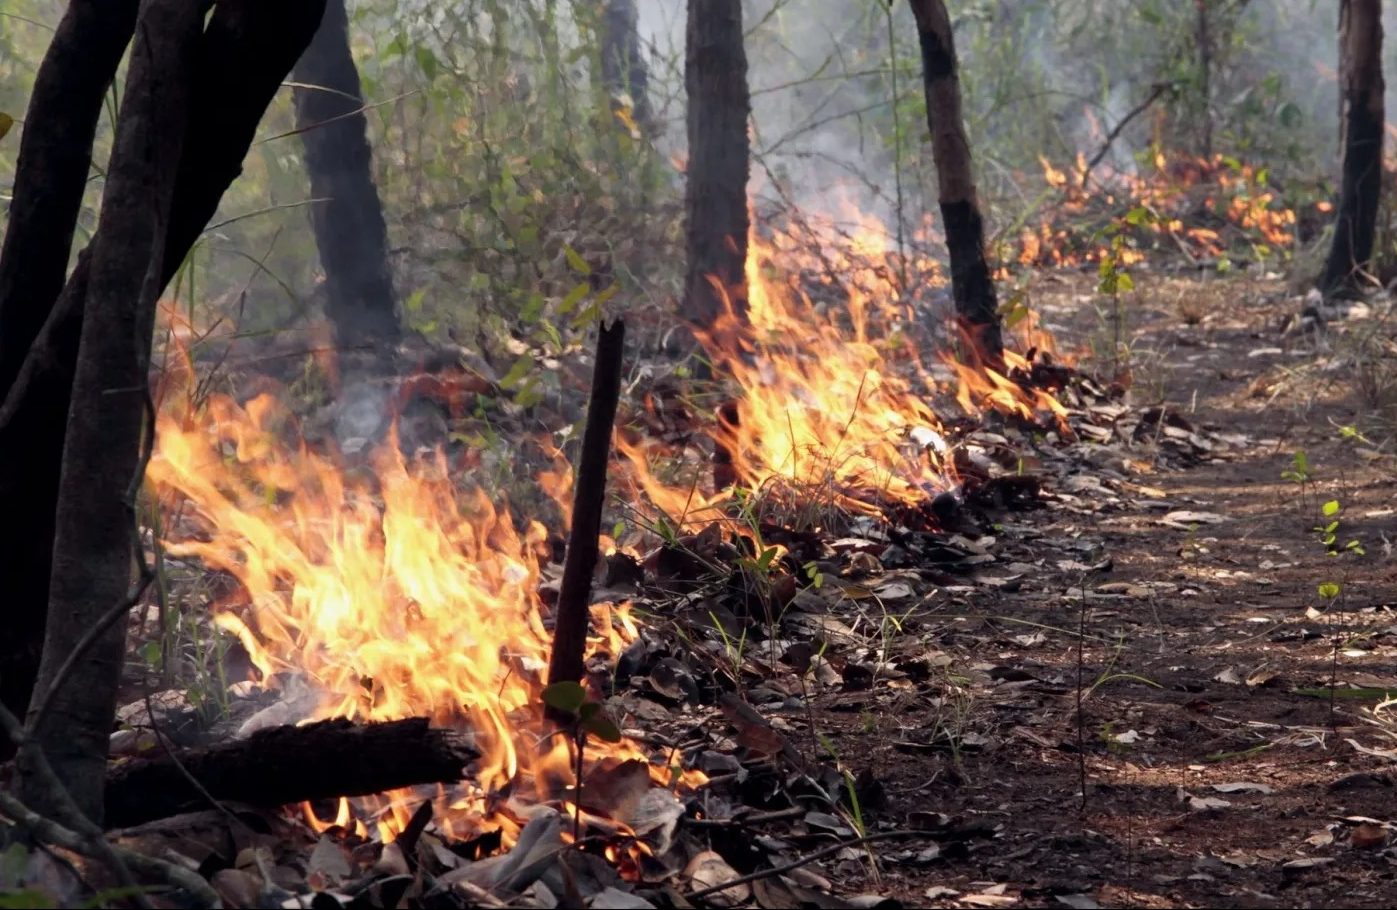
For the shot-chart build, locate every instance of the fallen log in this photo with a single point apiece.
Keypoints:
(283, 765)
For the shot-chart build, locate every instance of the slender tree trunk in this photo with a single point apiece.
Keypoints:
(244, 55)
(95, 517)
(1361, 82)
(349, 227)
(55, 155)
(972, 285)
(715, 79)
(1203, 36)
(623, 68)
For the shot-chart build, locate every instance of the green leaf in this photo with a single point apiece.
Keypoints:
(1124, 283)
(1330, 508)
(1329, 590)
(566, 696)
(6, 123)
(517, 372)
(427, 61)
(601, 726)
(579, 265)
(573, 298)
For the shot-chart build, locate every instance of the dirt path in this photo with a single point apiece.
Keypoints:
(1218, 772)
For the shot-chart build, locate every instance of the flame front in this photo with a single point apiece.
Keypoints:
(380, 585)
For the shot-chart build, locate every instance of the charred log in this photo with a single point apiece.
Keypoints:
(1361, 81)
(715, 79)
(348, 220)
(972, 286)
(283, 765)
(572, 612)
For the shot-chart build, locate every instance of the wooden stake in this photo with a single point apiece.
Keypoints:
(572, 613)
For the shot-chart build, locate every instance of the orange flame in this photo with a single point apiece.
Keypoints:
(384, 589)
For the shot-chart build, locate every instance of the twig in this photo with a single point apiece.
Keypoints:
(97, 847)
(802, 861)
(1159, 89)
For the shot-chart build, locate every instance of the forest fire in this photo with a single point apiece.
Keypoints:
(388, 595)
(1202, 206)
(834, 398)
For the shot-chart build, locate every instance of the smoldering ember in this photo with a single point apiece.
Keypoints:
(697, 453)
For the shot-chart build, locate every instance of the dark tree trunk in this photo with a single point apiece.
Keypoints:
(1361, 84)
(623, 68)
(55, 156)
(715, 79)
(243, 56)
(349, 228)
(95, 516)
(566, 663)
(288, 765)
(972, 285)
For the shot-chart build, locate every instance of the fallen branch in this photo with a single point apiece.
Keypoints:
(284, 765)
(802, 861)
(571, 615)
(53, 833)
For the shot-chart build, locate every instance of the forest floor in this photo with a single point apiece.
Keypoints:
(1133, 694)
(1189, 683)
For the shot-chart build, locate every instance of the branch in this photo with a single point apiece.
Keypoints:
(121, 858)
(802, 861)
(1159, 89)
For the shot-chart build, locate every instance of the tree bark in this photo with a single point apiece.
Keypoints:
(288, 765)
(95, 515)
(244, 54)
(972, 286)
(715, 80)
(571, 616)
(349, 228)
(1361, 84)
(55, 156)
(623, 68)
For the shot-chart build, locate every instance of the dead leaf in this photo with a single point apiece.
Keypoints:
(1368, 836)
(1184, 519)
(1243, 787)
(709, 870)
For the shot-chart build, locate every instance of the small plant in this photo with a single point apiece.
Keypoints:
(569, 700)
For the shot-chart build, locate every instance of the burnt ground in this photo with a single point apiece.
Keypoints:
(1218, 769)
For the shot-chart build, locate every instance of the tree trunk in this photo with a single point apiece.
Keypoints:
(95, 517)
(349, 228)
(623, 68)
(972, 286)
(715, 79)
(244, 55)
(1361, 82)
(55, 156)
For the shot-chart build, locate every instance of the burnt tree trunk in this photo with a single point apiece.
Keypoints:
(1361, 84)
(972, 286)
(95, 515)
(244, 54)
(715, 80)
(566, 663)
(349, 228)
(288, 765)
(55, 155)
(623, 68)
